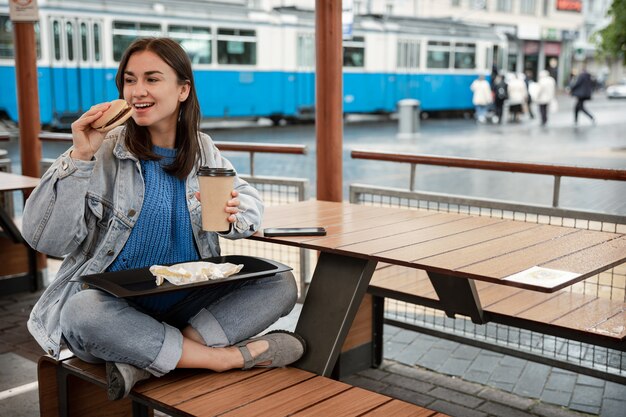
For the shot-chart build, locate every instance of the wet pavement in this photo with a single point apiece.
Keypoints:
(443, 375)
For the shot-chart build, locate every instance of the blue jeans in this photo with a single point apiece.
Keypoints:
(481, 112)
(99, 327)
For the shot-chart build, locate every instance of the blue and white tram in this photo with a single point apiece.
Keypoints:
(247, 62)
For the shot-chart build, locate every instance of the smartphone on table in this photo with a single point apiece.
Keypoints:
(294, 231)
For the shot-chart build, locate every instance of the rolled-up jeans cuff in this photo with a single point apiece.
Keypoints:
(170, 353)
(209, 329)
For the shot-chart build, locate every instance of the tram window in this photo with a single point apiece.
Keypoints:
(465, 56)
(84, 54)
(195, 40)
(354, 52)
(69, 30)
(124, 33)
(408, 54)
(306, 51)
(438, 54)
(504, 5)
(6, 37)
(527, 7)
(96, 42)
(56, 35)
(236, 47)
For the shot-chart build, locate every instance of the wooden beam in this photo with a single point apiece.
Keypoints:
(27, 96)
(328, 107)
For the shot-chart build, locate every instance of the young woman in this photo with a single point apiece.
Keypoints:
(129, 199)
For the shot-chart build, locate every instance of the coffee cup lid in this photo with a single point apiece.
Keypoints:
(216, 172)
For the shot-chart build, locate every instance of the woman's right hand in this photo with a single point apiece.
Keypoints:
(87, 140)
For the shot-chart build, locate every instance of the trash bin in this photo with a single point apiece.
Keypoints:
(408, 117)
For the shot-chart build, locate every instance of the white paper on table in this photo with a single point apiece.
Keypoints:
(191, 272)
(542, 277)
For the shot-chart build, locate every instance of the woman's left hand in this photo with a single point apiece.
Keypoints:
(232, 205)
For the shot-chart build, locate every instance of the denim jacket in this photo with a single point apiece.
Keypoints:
(85, 211)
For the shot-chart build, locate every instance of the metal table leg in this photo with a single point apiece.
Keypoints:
(458, 296)
(337, 288)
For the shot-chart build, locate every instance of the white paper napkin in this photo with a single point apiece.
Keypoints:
(190, 272)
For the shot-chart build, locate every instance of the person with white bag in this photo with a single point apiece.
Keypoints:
(545, 94)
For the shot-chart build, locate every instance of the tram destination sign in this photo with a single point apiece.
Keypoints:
(23, 10)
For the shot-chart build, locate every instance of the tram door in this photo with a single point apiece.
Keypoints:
(305, 74)
(74, 64)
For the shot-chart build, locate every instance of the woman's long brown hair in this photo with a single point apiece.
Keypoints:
(137, 138)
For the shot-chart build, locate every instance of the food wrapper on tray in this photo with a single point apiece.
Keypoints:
(191, 272)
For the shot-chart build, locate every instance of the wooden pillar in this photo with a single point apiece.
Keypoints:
(27, 96)
(328, 107)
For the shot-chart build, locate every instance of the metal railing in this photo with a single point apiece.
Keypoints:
(611, 284)
(274, 190)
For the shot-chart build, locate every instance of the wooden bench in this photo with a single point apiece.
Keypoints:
(71, 387)
(575, 316)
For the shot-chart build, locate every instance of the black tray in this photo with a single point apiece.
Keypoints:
(135, 282)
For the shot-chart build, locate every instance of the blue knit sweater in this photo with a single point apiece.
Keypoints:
(163, 233)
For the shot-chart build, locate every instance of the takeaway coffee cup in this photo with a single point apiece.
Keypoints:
(216, 185)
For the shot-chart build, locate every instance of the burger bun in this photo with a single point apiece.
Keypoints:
(115, 115)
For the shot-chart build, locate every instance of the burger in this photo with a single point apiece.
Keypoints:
(118, 113)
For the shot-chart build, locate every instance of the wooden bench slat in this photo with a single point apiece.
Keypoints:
(591, 315)
(613, 327)
(397, 408)
(461, 240)
(292, 399)
(177, 391)
(243, 392)
(564, 303)
(456, 259)
(511, 263)
(353, 402)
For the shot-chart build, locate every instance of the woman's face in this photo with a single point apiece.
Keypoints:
(152, 88)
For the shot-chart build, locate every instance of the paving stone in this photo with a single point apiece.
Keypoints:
(466, 352)
(589, 380)
(506, 398)
(587, 395)
(506, 386)
(506, 374)
(405, 336)
(408, 383)
(613, 408)
(485, 363)
(367, 383)
(585, 408)
(390, 330)
(556, 397)
(549, 410)
(477, 376)
(408, 356)
(455, 410)
(501, 410)
(374, 373)
(560, 381)
(434, 358)
(456, 397)
(392, 348)
(15, 371)
(419, 398)
(614, 391)
(532, 380)
(434, 378)
(455, 366)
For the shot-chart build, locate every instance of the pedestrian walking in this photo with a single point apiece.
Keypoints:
(545, 95)
(501, 94)
(528, 80)
(517, 96)
(129, 199)
(481, 98)
(582, 88)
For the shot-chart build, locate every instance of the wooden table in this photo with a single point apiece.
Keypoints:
(454, 249)
(15, 244)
